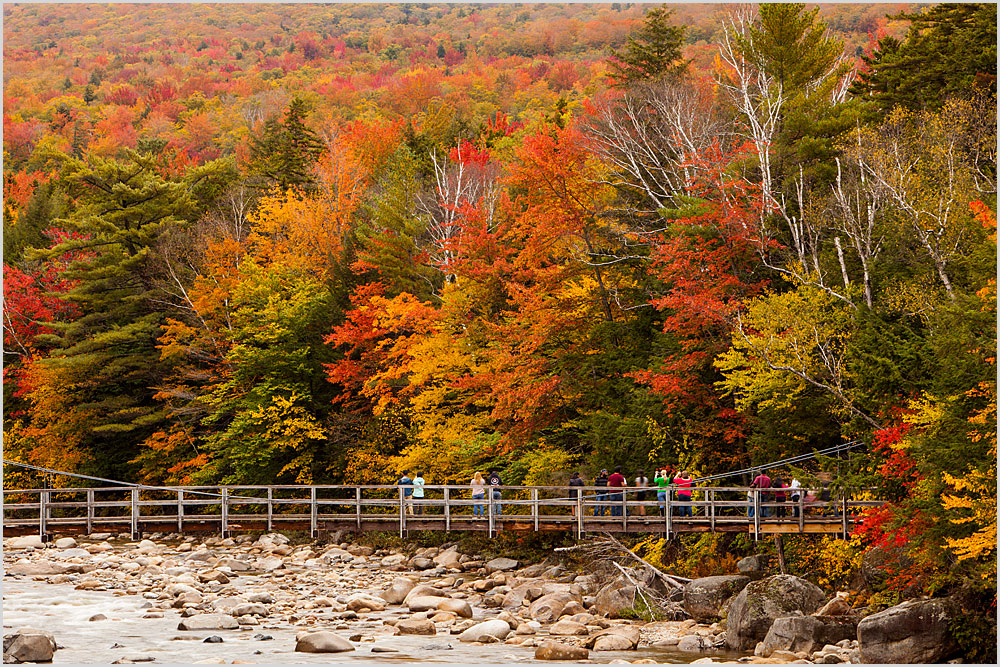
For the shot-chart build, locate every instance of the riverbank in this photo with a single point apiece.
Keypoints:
(268, 599)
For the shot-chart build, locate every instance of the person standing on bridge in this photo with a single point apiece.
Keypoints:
(662, 483)
(795, 489)
(683, 483)
(495, 484)
(407, 485)
(616, 480)
(478, 493)
(601, 480)
(761, 481)
(641, 483)
(574, 494)
(418, 492)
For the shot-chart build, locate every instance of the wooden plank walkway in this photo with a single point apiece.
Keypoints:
(227, 509)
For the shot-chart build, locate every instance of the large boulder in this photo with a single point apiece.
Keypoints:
(321, 642)
(65, 543)
(424, 603)
(753, 610)
(705, 599)
(416, 626)
(567, 627)
(555, 651)
(501, 565)
(613, 599)
(911, 632)
(807, 633)
(457, 607)
(549, 608)
(208, 622)
(398, 590)
(25, 566)
(26, 645)
(615, 638)
(448, 558)
(25, 541)
(494, 628)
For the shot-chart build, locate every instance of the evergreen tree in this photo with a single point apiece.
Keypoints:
(286, 151)
(654, 51)
(107, 359)
(949, 49)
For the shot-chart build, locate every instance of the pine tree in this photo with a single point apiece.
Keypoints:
(107, 359)
(286, 151)
(654, 51)
(949, 49)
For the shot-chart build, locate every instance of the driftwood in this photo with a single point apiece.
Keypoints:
(671, 580)
(609, 549)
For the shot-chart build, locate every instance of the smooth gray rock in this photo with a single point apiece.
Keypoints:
(28, 645)
(501, 565)
(807, 633)
(209, 622)
(613, 599)
(25, 541)
(416, 626)
(494, 628)
(398, 590)
(753, 610)
(615, 638)
(912, 632)
(321, 642)
(705, 599)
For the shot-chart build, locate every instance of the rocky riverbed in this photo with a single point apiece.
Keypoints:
(264, 599)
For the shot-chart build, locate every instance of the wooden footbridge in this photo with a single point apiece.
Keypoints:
(227, 509)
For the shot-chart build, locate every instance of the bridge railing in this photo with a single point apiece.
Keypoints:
(442, 507)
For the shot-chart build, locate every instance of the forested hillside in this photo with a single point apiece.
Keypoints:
(303, 244)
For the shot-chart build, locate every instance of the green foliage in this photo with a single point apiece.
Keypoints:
(950, 48)
(654, 51)
(283, 154)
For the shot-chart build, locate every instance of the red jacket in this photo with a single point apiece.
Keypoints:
(685, 485)
(616, 479)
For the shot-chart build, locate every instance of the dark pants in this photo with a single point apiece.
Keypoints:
(616, 498)
(683, 508)
(795, 507)
(601, 509)
(497, 508)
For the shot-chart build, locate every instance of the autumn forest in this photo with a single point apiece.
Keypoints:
(330, 243)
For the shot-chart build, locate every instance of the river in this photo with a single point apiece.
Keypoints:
(65, 611)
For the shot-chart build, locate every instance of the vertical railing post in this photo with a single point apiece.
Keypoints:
(579, 514)
(802, 510)
(180, 510)
(43, 512)
(669, 512)
(489, 508)
(447, 509)
(135, 514)
(357, 505)
(270, 509)
(534, 507)
(402, 513)
(756, 514)
(313, 513)
(624, 509)
(224, 518)
(711, 508)
(90, 511)
(844, 515)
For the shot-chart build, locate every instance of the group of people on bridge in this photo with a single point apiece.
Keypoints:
(677, 487)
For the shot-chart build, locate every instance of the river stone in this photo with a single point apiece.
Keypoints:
(27, 645)
(753, 566)
(416, 626)
(365, 603)
(421, 563)
(616, 638)
(548, 608)
(392, 560)
(209, 622)
(806, 633)
(693, 644)
(25, 541)
(72, 553)
(753, 610)
(65, 543)
(495, 628)
(270, 563)
(235, 564)
(398, 590)
(424, 602)
(705, 599)
(25, 566)
(249, 609)
(200, 555)
(567, 627)
(836, 607)
(447, 558)
(555, 651)
(912, 632)
(459, 607)
(321, 642)
(260, 596)
(422, 590)
(226, 605)
(613, 599)
(501, 565)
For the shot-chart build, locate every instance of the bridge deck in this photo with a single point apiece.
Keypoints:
(385, 508)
